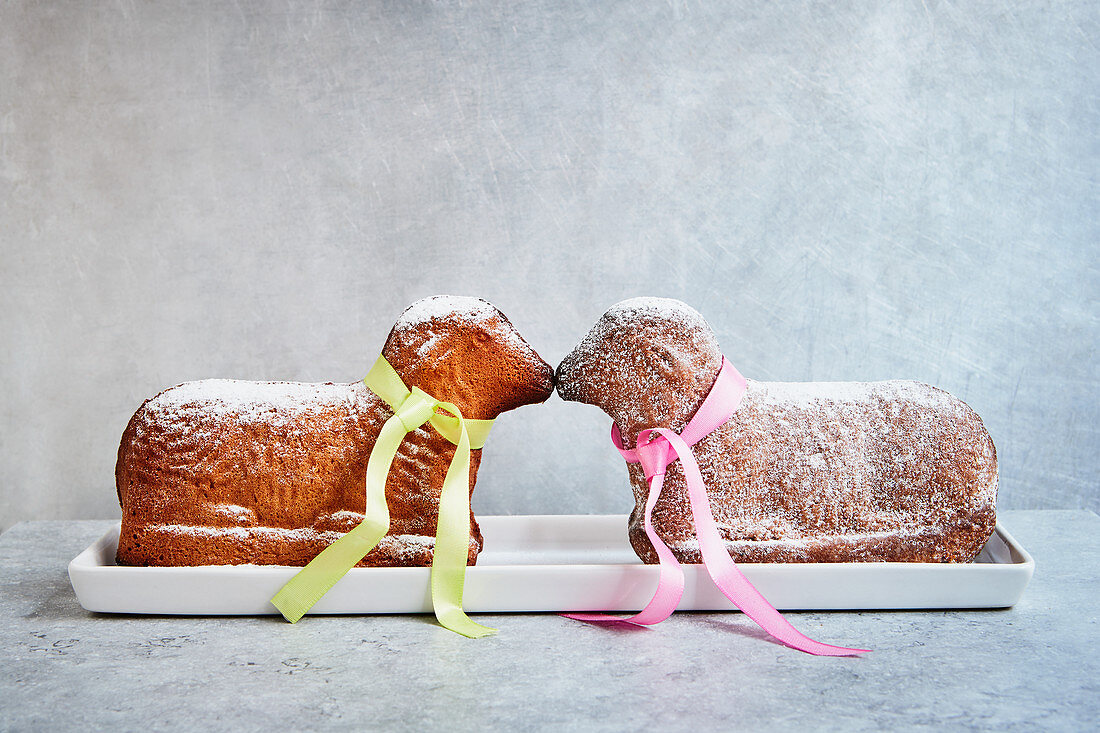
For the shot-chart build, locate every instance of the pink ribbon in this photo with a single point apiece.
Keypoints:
(656, 449)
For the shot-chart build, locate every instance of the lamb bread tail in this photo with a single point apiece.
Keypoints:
(802, 472)
(270, 473)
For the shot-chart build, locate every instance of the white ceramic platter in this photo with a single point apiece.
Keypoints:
(554, 563)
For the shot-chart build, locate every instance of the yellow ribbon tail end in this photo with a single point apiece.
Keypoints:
(452, 540)
(457, 621)
(313, 581)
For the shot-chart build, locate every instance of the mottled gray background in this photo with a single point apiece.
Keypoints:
(256, 190)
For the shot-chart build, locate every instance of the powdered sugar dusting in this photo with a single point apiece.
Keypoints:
(430, 326)
(446, 308)
(837, 468)
(250, 401)
(896, 391)
(668, 309)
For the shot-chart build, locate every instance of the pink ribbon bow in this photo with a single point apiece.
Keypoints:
(656, 449)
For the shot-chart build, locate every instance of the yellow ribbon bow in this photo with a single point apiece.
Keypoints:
(411, 409)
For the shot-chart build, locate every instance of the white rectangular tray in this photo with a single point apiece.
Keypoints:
(554, 563)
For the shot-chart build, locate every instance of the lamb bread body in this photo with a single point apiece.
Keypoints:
(231, 472)
(802, 472)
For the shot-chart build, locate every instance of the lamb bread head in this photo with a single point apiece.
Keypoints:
(802, 472)
(465, 351)
(647, 362)
(220, 471)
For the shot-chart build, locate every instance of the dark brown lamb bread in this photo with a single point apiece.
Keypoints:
(225, 472)
(802, 472)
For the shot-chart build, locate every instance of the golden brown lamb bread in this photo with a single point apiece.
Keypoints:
(802, 472)
(221, 472)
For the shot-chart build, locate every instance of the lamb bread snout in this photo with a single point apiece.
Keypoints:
(802, 472)
(229, 472)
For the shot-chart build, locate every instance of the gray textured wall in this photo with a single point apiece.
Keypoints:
(256, 190)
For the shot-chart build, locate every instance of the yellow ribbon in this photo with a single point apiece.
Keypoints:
(411, 409)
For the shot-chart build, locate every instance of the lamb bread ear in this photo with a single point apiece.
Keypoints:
(222, 471)
(802, 472)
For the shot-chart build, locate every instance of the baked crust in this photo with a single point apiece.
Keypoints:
(222, 472)
(802, 472)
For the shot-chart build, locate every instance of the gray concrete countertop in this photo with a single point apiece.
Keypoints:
(1030, 667)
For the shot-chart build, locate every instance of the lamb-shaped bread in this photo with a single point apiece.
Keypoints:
(802, 472)
(221, 472)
